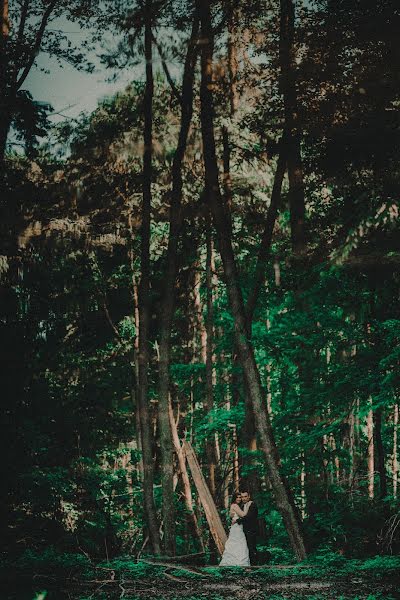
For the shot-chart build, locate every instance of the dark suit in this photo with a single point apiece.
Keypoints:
(250, 528)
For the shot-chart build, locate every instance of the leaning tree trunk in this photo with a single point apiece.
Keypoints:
(144, 296)
(168, 306)
(187, 492)
(282, 496)
(294, 162)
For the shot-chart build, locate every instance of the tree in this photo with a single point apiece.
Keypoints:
(292, 126)
(168, 304)
(25, 33)
(246, 354)
(144, 289)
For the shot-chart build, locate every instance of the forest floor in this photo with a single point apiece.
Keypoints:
(124, 578)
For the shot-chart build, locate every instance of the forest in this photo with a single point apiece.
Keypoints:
(200, 294)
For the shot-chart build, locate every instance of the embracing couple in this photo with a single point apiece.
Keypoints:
(240, 548)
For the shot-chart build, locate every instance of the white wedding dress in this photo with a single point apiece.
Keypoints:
(236, 552)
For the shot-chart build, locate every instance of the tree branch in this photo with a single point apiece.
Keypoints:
(265, 245)
(37, 44)
(171, 82)
(21, 28)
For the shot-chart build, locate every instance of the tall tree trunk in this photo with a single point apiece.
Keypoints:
(199, 317)
(144, 295)
(5, 126)
(380, 453)
(168, 306)
(249, 428)
(223, 226)
(134, 363)
(294, 162)
(5, 121)
(232, 43)
(395, 463)
(5, 20)
(352, 449)
(210, 443)
(258, 280)
(371, 454)
(303, 487)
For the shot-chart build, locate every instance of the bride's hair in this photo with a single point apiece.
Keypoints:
(234, 497)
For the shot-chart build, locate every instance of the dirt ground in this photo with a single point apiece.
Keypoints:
(173, 587)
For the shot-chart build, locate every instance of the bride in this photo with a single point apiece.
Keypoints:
(236, 553)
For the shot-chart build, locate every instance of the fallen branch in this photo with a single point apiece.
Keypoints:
(176, 566)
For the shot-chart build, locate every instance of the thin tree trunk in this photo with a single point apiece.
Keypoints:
(144, 296)
(135, 353)
(352, 448)
(222, 222)
(258, 280)
(294, 162)
(199, 316)
(236, 478)
(5, 121)
(5, 20)
(303, 486)
(395, 464)
(168, 306)
(266, 240)
(371, 454)
(5, 126)
(380, 453)
(249, 429)
(336, 460)
(210, 443)
(233, 41)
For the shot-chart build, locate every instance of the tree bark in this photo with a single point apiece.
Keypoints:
(371, 454)
(395, 462)
(214, 520)
(144, 296)
(210, 443)
(266, 240)
(185, 480)
(294, 162)
(380, 453)
(168, 306)
(249, 429)
(283, 499)
(4, 110)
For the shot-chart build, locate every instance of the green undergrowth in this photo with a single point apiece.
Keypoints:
(317, 567)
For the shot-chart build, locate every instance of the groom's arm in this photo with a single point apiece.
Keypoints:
(252, 513)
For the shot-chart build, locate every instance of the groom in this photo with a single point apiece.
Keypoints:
(250, 525)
